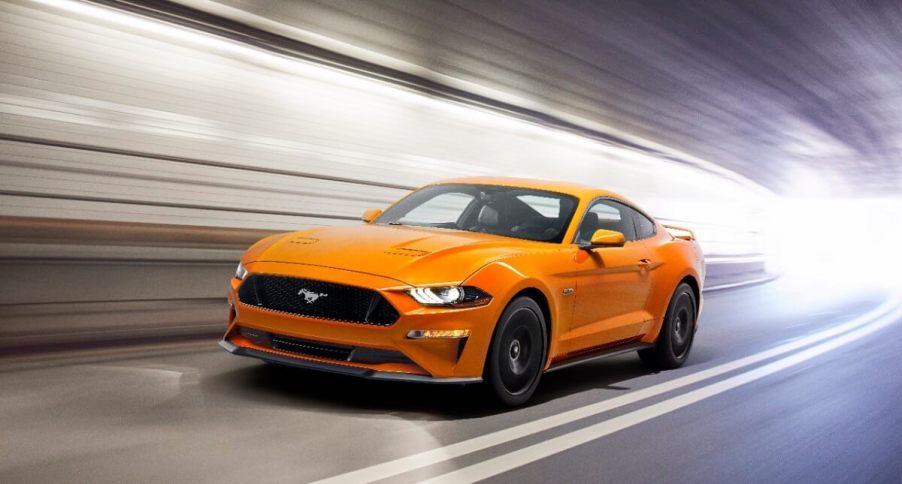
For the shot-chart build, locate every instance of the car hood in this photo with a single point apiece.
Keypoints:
(411, 255)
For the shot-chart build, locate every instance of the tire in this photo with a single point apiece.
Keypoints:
(516, 356)
(677, 333)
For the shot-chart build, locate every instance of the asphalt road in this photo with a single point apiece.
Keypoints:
(795, 380)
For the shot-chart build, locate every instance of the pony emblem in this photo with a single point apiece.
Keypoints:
(310, 297)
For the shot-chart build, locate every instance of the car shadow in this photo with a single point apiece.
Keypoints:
(330, 393)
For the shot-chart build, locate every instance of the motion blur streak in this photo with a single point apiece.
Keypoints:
(771, 90)
(140, 157)
(400, 137)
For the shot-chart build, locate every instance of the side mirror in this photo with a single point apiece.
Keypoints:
(371, 215)
(604, 238)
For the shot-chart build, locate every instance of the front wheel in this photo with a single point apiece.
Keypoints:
(517, 353)
(677, 333)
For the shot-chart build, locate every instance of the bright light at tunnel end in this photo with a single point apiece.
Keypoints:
(834, 239)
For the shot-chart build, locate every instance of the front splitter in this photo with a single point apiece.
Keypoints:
(339, 369)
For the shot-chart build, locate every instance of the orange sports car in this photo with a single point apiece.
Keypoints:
(468, 280)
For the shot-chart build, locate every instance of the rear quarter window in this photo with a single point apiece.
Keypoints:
(645, 228)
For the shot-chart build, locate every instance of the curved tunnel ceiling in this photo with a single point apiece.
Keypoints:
(801, 97)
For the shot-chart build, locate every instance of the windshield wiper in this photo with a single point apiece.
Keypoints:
(395, 223)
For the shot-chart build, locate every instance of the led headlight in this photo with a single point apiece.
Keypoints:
(454, 296)
(240, 272)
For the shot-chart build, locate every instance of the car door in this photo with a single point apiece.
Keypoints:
(612, 283)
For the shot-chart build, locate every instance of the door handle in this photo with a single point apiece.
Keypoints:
(644, 263)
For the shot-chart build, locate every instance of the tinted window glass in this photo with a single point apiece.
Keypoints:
(546, 206)
(608, 215)
(443, 208)
(645, 228)
(500, 210)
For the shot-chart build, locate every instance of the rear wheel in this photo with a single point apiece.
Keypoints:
(517, 353)
(677, 333)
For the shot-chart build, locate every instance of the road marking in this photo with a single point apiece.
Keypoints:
(433, 456)
(734, 285)
(535, 452)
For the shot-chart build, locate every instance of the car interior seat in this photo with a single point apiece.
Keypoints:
(488, 218)
(588, 227)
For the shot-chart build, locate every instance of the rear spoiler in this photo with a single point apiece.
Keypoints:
(680, 232)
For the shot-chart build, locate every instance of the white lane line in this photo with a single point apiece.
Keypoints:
(733, 285)
(518, 458)
(440, 454)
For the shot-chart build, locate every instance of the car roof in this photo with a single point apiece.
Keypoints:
(575, 189)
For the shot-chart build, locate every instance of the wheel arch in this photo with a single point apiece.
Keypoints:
(539, 297)
(696, 291)
(507, 283)
(662, 304)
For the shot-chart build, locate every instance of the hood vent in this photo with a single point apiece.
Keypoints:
(303, 240)
(407, 252)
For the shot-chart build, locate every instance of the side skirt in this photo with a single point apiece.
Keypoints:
(600, 354)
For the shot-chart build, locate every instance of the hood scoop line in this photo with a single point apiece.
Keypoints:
(403, 251)
(303, 240)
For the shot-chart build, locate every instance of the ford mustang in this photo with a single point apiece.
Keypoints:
(468, 280)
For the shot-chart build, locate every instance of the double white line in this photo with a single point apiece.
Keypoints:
(829, 339)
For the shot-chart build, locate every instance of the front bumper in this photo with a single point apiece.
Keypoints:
(427, 360)
(339, 369)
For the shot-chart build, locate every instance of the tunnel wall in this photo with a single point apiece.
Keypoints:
(139, 159)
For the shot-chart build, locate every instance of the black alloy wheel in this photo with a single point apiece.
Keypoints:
(517, 354)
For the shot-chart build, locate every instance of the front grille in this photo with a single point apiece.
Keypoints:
(317, 299)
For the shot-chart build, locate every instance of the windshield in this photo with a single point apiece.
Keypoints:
(523, 213)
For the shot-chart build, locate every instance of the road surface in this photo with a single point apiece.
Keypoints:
(788, 381)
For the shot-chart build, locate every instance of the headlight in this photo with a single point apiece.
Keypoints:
(455, 296)
(240, 272)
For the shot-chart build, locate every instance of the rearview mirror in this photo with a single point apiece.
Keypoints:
(605, 238)
(371, 215)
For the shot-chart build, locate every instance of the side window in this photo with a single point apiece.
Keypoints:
(645, 228)
(445, 208)
(609, 215)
